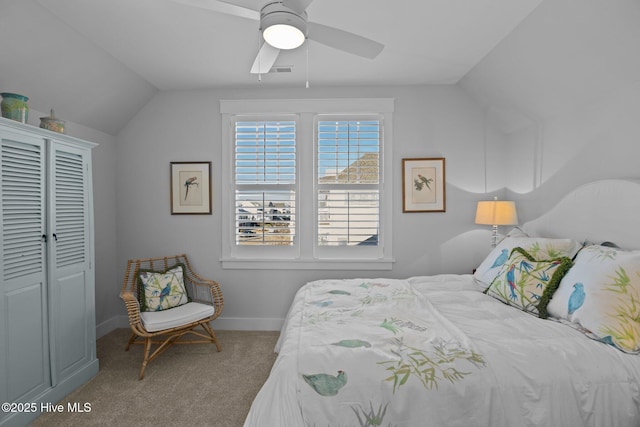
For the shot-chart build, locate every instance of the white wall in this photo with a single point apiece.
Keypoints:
(569, 77)
(429, 121)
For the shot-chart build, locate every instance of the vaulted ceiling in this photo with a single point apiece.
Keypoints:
(98, 62)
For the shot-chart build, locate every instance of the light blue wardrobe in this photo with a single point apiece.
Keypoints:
(47, 310)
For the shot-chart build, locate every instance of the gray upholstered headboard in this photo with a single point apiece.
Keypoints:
(607, 210)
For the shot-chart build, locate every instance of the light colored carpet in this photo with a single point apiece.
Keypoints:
(188, 385)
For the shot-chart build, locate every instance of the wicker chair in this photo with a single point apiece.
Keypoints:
(205, 294)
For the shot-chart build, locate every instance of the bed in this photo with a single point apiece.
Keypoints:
(546, 332)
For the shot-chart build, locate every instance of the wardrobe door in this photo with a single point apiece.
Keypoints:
(70, 260)
(24, 339)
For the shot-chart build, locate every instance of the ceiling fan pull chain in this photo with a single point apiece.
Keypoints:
(307, 85)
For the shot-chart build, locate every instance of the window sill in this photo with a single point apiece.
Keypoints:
(299, 264)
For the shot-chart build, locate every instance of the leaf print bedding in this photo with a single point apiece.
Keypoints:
(436, 351)
(392, 345)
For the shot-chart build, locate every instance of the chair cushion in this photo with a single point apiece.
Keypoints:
(166, 319)
(161, 290)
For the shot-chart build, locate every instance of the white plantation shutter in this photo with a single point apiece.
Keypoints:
(23, 208)
(265, 182)
(348, 182)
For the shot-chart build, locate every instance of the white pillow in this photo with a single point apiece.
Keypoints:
(601, 293)
(540, 248)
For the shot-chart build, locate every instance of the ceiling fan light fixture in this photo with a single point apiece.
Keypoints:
(283, 36)
(281, 27)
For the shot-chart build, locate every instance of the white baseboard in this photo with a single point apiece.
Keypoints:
(247, 324)
(116, 322)
(221, 323)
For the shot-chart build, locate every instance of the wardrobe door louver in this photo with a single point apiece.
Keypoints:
(70, 208)
(22, 208)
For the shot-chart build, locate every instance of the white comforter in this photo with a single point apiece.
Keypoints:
(436, 351)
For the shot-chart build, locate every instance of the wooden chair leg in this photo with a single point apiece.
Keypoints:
(131, 340)
(147, 348)
(207, 327)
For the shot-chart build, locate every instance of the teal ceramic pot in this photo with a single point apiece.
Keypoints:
(14, 107)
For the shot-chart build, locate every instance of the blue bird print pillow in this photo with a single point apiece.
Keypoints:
(601, 294)
(162, 290)
(540, 248)
(527, 283)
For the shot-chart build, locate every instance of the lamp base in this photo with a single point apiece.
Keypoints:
(494, 236)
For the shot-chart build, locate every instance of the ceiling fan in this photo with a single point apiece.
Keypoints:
(284, 25)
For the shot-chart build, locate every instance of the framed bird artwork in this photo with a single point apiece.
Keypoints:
(423, 185)
(190, 188)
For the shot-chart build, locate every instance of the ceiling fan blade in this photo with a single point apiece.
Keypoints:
(344, 40)
(223, 7)
(298, 6)
(265, 59)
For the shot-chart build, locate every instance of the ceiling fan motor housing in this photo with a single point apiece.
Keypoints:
(275, 13)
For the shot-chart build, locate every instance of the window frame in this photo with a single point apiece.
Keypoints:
(304, 254)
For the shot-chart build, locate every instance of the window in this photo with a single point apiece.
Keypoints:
(265, 178)
(348, 178)
(308, 183)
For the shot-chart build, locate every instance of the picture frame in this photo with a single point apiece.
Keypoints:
(423, 185)
(190, 188)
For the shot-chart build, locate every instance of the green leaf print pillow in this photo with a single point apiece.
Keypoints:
(527, 283)
(601, 293)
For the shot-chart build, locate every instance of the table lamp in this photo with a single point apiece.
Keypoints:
(496, 212)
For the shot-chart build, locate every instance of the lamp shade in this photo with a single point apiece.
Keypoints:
(496, 212)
